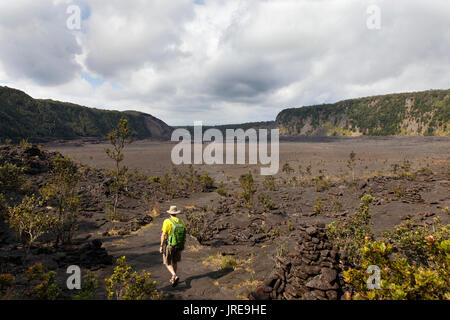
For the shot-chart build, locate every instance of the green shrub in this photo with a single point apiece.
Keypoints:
(248, 188)
(270, 183)
(46, 288)
(89, 287)
(401, 280)
(222, 192)
(155, 179)
(287, 168)
(62, 193)
(318, 207)
(24, 144)
(11, 177)
(413, 240)
(399, 191)
(196, 225)
(337, 206)
(266, 202)
(426, 171)
(320, 183)
(349, 235)
(126, 284)
(6, 282)
(228, 262)
(30, 221)
(207, 181)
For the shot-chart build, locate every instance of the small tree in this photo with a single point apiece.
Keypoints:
(30, 222)
(351, 163)
(248, 187)
(119, 138)
(62, 192)
(126, 284)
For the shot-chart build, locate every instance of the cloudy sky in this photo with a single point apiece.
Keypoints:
(222, 61)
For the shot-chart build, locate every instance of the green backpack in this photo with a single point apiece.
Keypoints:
(177, 236)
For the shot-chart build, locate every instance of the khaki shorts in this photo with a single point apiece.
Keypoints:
(171, 255)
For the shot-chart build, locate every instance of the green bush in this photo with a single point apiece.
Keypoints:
(266, 202)
(24, 144)
(426, 171)
(89, 287)
(196, 225)
(248, 188)
(401, 280)
(270, 183)
(62, 193)
(6, 282)
(349, 235)
(207, 181)
(126, 284)
(318, 207)
(11, 177)
(30, 221)
(155, 179)
(228, 262)
(320, 183)
(287, 168)
(46, 288)
(222, 192)
(413, 240)
(414, 260)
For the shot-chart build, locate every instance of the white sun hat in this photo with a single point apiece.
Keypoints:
(173, 210)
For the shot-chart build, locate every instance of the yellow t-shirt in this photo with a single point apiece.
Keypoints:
(167, 225)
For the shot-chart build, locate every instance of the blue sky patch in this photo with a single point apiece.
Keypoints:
(95, 82)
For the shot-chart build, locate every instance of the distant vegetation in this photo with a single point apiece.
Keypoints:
(244, 126)
(418, 113)
(24, 117)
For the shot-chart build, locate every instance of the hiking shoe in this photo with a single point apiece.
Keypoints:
(175, 281)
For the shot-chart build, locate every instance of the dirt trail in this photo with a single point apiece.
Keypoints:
(142, 252)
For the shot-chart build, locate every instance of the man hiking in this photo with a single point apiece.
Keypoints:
(173, 238)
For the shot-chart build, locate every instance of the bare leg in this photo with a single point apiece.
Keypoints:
(171, 269)
(175, 267)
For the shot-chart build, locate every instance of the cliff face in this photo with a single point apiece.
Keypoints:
(21, 116)
(417, 113)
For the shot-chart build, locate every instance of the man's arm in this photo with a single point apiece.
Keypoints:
(163, 238)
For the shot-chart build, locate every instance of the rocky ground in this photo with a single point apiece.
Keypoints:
(277, 245)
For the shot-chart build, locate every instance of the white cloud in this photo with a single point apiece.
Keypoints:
(223, 61)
